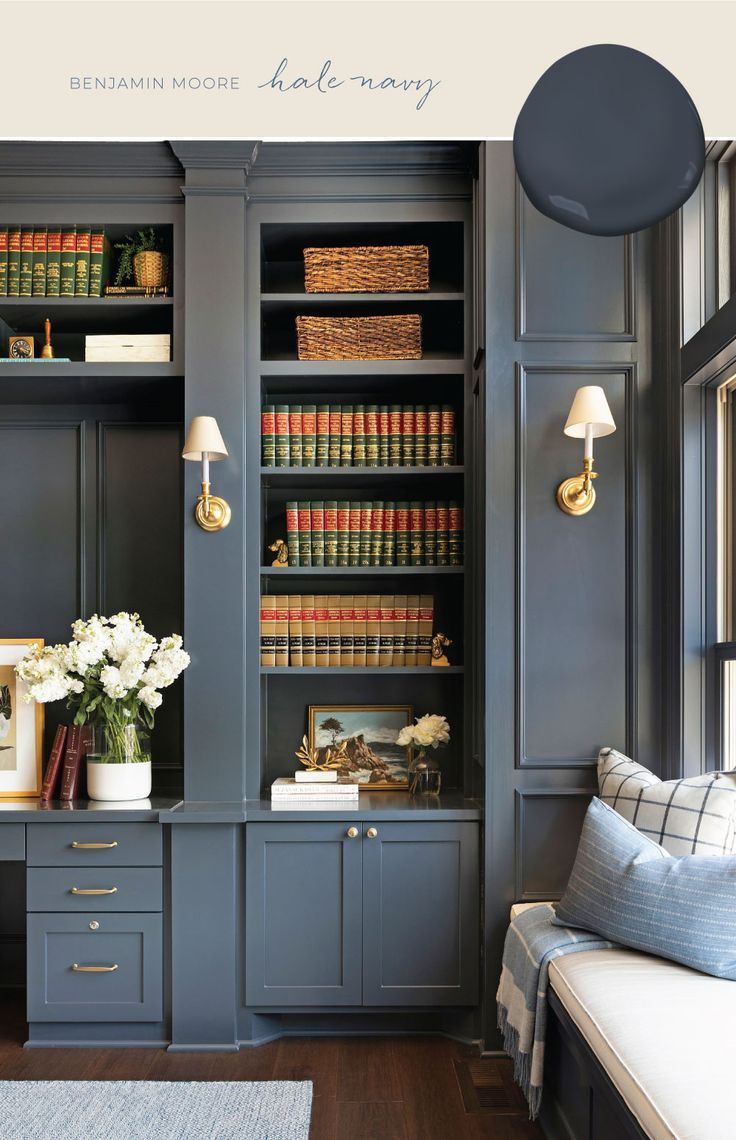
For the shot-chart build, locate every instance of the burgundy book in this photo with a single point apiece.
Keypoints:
(51, 775)
(78, 744)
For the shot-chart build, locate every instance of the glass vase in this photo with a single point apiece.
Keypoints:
(425, 778)
(119, 762)
(120, 743)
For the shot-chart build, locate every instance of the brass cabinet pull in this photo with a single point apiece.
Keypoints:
(93, 846)
(371, 833)
(93, 969)
(352, 833)
(93, 890)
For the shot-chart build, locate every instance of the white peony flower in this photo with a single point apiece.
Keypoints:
(150, 697)
(112, 682)
(406, 736)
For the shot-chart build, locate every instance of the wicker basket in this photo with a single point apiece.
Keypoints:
(360, 338)
(151, 269)
(367, 269)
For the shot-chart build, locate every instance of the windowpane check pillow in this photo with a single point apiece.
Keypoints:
(629, 890)
(695, 816)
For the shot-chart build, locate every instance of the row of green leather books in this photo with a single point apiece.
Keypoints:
(53, 261)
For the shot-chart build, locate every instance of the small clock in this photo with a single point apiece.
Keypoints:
(21, 347)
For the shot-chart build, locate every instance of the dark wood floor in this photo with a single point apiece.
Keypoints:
(364, 1088)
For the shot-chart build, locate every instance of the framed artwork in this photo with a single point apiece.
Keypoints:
(21, 726)
(373, 756)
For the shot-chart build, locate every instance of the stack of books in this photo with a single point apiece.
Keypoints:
(358, 435)
(53, 261)
(342, 533)
(63, 775)
(307, 630)
(287, 793)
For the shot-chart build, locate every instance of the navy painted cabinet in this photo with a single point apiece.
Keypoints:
(388, 916)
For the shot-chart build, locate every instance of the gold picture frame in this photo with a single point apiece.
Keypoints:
(25, 720)
(379, 723)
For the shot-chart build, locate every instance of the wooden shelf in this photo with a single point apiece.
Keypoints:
(312, 299)
(427, 366)
(357, 571)
(81, 369)
(355, 670)
(298, 475)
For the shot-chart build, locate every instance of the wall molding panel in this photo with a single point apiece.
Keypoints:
(545, 847)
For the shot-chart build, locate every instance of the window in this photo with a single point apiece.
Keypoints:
(725, 649)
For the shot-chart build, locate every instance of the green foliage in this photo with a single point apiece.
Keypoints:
(142, 241)
(6, 706)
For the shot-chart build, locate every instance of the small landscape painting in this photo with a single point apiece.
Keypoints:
(372, 755)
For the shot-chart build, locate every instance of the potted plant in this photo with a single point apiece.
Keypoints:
(430, 731)
(142, 259)
(111, 673)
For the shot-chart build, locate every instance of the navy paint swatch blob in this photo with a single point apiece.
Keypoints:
(608, 141)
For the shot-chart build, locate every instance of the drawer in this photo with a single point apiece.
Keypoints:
(99, 888)
(77, 972)
(12, 842)
(94, 845)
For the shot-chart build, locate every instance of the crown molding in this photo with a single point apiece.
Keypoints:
(88, 159)
(379, 159)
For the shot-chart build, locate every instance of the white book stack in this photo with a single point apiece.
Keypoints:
(287, 791)
(121, 348)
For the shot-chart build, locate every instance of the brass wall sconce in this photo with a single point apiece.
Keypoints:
(204, 442)
(590, 417)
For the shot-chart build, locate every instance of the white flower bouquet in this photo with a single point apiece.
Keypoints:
(111, 673)
(430, 731)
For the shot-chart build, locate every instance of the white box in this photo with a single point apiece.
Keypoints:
(128, 347)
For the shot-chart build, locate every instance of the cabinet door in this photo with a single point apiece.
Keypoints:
(421, 922)
(303, 914)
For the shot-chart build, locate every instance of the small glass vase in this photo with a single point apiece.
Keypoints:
(119, 762)
(425, 777)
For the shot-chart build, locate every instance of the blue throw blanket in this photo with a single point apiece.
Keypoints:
(531, 943)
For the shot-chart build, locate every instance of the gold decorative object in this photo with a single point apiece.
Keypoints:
(308, 755)
(47, 352)
(94, 969)
(281, 550)
(204, 442)
(21, 347)
(439, 644)
(590, 417)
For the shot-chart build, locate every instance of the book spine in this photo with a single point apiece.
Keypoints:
(456, 536)
(359, 436)
(296, 658)
(426, 620)
(53, 262)
(333, 446)
(359, 630)
(403, 540)
(346, 436)
(305, 533)
(355, 520)
(389, 534)
(386, 637)
(295, 435)
(292, 532)
(420, 436)
(443, 534)
(72, 758)
(309, 435)
(434, 425)
(321, 630)
(268, 435)
(411, 645)
(394, 435)
(366, 510)
(53, 767)
(40, 254)
(81, 267)
(447, 435)
(347, 630)
(334, 632)
(282, 630)
(3, 261)
(407, 435)
(430, 534)
(416, 540)
(372, 450)
(377, 512)
(384, 435)
(99, 261)
(399, 657)
(317, 524)
(308, 630)
(68, 269)
(373, 629)
(26, 261)
(323, 435)
(343, 534)
(331, 533)
(268, 630)
(282, 435)
(13, 261)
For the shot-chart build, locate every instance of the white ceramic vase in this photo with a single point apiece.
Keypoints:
(118, 781)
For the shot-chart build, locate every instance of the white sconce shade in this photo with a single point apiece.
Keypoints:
(204, 440)
(590, 410)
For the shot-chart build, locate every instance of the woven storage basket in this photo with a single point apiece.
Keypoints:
(367, 269)
(150, 269)
(360, 338)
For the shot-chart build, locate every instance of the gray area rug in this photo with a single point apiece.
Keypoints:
(155, 1110)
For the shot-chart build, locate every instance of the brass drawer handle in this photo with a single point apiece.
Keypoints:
(93, 890)
(93, 969)
(93, 846)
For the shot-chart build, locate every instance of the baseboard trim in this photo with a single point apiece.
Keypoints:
(66, 1044)
(209, 1047)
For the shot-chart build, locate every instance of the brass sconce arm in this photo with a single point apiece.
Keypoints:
(210, 511)
(576, 495)
(204, 444)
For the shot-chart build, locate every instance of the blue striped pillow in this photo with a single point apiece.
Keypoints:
(628, 889)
